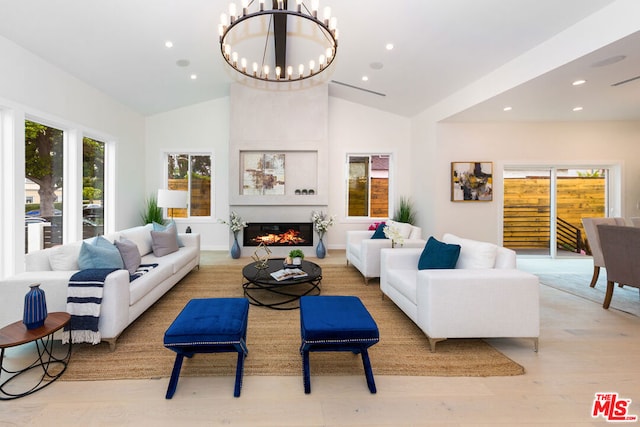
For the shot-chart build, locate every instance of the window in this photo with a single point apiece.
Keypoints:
(368, 185)
(92, 187)
(43, 180)
(191, 172)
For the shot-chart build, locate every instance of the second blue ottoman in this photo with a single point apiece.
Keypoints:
(209, 325)
(336, 323)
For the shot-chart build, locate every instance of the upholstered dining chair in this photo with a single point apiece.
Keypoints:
(621, 251)
(590, 227)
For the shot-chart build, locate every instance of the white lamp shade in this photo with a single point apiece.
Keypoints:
(172, 199)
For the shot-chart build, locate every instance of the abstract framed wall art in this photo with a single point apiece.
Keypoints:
(262, 173)
(471, 181)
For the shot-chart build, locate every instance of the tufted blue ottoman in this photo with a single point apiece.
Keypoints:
(210, 325)
(336, 323)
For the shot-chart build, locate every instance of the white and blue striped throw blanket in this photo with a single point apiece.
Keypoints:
(84, 297)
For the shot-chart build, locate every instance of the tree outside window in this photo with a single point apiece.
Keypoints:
(43, 177)
(92, 187)
(191, 173)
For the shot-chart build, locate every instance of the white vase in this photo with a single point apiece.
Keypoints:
(297, 261)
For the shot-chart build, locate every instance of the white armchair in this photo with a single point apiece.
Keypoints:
(363, 252)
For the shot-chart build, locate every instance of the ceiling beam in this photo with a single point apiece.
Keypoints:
(280, 38)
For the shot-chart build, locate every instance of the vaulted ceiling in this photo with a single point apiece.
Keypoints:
(442, 48)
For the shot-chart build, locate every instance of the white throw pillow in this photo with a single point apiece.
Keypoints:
(403, 228)
(473, 253)
(141, 236)
(64, 258)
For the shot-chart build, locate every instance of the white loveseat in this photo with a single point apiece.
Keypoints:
(122, 301)
(485, 296)
(363, 252)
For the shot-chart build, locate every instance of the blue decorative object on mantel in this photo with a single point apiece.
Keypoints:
(235, 248)
(321, 251)
(35, 307)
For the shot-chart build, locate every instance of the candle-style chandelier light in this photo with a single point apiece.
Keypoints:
(276, 44)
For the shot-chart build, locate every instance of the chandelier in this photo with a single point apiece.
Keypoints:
(278, 44)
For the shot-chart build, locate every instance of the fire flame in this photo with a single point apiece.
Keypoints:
(289, 237)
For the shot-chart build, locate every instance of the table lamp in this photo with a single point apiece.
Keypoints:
(172, 199)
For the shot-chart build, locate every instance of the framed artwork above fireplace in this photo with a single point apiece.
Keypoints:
(278, 177)
(263, 173)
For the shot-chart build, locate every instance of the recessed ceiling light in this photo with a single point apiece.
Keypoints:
(506, 109)
(389, 46)
(577, 108)
(365, 78)
(168, 44)
(579, 82)
(193, 76)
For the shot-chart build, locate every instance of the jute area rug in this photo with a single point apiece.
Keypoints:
(273, 339)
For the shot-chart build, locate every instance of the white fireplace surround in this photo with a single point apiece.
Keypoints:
(277, 121)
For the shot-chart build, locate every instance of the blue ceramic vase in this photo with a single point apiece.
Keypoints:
(235, 248)
(35, 307)
(321, 251)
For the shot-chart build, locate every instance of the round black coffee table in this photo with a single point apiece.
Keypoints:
(263, 290)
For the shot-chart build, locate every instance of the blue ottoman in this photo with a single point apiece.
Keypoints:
(210, 325)
(336, 323)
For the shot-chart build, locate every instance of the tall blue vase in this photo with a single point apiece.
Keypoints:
(35, 307)
(235, 248)
(321, 251)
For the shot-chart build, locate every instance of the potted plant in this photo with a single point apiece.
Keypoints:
(295, 257)
(152, 212)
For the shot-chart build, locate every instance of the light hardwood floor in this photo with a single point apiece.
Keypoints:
(583, 350)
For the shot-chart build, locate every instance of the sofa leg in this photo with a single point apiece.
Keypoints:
(433, 342)
(535, 344)
(366, 280)
(112, 343)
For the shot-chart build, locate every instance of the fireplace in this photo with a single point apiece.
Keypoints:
(278, 234)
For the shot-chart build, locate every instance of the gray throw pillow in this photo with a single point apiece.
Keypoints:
(129, 253)
(164, 242)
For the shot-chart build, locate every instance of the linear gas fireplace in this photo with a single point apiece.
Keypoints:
(278, 234)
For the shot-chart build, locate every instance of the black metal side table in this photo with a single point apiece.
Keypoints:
(52, 367)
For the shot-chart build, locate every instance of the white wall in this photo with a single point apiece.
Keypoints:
(32, 87)
(551, 143)
(354, 129)
(199, 127)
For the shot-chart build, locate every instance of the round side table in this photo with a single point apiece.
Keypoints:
(52, 367)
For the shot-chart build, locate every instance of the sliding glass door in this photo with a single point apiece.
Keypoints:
(543, 208)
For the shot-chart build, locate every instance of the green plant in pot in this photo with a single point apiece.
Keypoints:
(295, 257)
(152, 212)
(405, 212)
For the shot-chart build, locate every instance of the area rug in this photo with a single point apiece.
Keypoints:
(626, 299)
(273, 339)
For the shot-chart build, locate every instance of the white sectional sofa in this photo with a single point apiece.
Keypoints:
(484, 296)
(122, 301)
(363, 252)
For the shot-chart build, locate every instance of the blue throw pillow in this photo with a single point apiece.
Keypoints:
(171, 226)
(438, 255)
(379, 233)
(98, 255)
